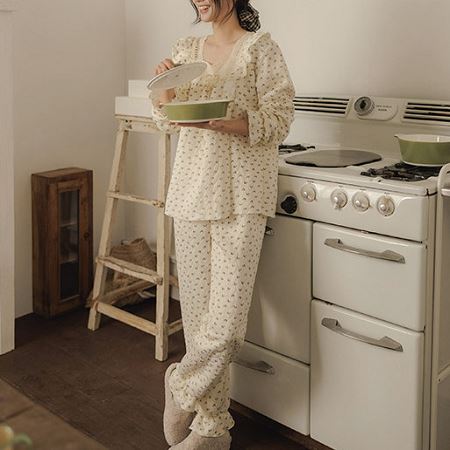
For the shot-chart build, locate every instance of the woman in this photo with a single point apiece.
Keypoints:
(223, 188)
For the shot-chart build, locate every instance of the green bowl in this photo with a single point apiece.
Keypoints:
(196, 111)
(424, 149)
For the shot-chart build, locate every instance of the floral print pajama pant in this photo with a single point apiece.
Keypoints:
(217, 262)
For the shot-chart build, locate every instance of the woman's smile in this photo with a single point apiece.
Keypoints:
(203, 8)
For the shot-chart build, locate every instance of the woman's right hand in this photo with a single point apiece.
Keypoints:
(165, 65)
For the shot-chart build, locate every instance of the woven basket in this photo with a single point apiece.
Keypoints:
(136, 252)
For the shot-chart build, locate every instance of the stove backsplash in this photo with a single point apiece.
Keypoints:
(368, 122)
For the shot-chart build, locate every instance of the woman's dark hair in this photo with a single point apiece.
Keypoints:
(239, 6)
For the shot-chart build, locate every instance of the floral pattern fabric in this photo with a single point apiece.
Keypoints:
(217, 263)
(217, 174)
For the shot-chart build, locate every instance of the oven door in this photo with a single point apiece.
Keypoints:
(271, 384)
(372, 274)
(279, 316)
(366, 381)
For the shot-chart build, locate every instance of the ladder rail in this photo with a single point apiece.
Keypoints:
(163, 241)
(108, 218)
(102, 303)
(130, 269)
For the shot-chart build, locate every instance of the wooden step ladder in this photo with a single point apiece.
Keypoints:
(161, 328)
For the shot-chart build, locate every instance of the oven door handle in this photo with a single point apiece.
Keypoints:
(387, 255)
(260, 366)
(384, 342)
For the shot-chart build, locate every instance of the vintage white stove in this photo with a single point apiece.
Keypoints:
(349, 331)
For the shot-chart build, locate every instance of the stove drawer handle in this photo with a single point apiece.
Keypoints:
(260, 366)
(387, 255)
(384, 342)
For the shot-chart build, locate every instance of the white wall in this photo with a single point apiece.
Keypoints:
(382, 47)
(396, 48)
(69, 64)
(7, 180)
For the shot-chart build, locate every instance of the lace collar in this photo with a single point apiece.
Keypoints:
(236, 60)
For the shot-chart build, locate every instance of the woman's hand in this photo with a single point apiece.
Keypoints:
(233, 126)
(165, 65)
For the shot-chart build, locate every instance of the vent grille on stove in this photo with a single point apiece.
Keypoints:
(330, 106)
(426, 112)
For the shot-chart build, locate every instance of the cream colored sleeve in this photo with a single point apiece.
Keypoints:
(180, 54)
(270, 123)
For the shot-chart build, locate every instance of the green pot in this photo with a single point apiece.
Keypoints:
(424, 149)
(196, 111)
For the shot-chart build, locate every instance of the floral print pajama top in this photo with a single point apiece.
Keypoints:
(218, 174)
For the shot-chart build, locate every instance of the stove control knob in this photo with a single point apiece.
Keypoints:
(339, 198)
(385, 206)
(308, 192)
(361, 202)
(364, 106)
(289, 204)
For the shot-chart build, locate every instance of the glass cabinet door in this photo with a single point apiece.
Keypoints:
(62, 222)
(69, 254)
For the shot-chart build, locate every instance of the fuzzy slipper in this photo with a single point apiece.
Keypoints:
(176, 421)
(196, 442)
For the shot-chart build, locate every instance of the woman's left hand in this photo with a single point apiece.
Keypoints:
(233, 126)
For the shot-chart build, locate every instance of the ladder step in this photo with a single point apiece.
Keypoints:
(135, 321)
(175, 326)
(135, 199)
(126, 317)
(119, 265)
(117, 294)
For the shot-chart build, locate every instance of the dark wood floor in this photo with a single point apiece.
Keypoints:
(49, 431)
(107, 383)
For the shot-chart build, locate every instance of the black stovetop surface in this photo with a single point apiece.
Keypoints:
(400, 171)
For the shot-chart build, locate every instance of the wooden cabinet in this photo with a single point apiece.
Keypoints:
(62, 239)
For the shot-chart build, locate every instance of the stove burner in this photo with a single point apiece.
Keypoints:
(333, 158)
(287, 148)
(403, 172)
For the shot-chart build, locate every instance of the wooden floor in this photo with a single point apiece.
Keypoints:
(108, 385)
(49, 431)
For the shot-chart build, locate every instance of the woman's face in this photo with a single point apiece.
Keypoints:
(207, 10)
